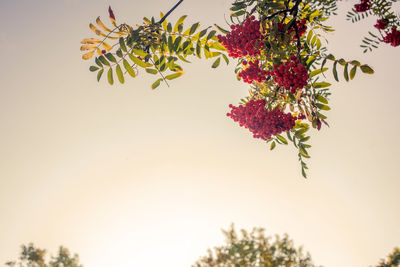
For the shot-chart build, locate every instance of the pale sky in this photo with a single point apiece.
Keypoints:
(127, 176)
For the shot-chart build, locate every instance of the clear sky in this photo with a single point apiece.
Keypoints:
(127, 176)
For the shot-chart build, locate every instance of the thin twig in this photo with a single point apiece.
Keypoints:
(170, 11)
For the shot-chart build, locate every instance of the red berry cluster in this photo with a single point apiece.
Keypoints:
(292, 75)
(244, 39)
(301, 26)
(381, 24)
(363, 6)
(261, 122)
(253, 72)
(392, 38)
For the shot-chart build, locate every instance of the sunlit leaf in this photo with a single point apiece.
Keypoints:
(180, 21)
(282, 139)
(90, 41)
(88, 55)
(174, 76)
(322, 106)
(321, 99)
(156, 84)
(96, 31)
(321, 85)
(128, 68)
(106, 46)
(101, 25)
(88, 47)
(152, 71)
(273, 145)
(138, 62)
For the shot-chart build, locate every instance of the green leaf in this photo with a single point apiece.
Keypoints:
(93, 68)
(156, 84)
(355, 63)
(110, 57)
(138, 62)
(282, 139)
(110, 76)
(318, 44)
(317, 71)
(346, 72)
(211, 34)
(342, 62)
(239, 13)
(139, 52)
(193, 28)
(321, 99)
(129, 68)
(152, 71)
(169, 29)
(98, 62)
(122, 44)
(180, 21)
(99, 74)
(353, 72)
(221, 29)
(330, 56)
(273, 145)
(366, 69)
(216, 63)
(120, 75)
(198, 49)
(177, 43)
(321, 85)
(174, 76)
(225, 58)
(303, 172)
(104, 61)
(322, 106)
(303, 151)
(183, 59)
(335, 71)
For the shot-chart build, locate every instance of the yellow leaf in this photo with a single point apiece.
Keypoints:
(96, 31)
(99, 51)
(90, 41)
(107, 46)
(88, 55)
(88, 47)
(101, 25)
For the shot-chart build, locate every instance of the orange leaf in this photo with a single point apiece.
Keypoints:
(88, 55)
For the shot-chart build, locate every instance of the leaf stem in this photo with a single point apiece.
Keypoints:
(170, 11)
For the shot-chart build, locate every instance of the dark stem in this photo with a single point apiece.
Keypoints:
(170, 11)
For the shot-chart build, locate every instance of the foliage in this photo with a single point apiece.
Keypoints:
(392, 260)
(35, 257)
(255, 249)
(387, 21)
(280, 50)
